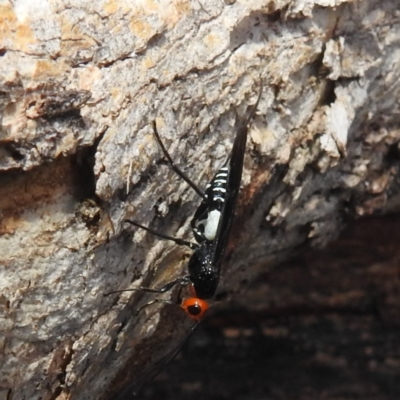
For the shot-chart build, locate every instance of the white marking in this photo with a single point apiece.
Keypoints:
(219, 181)
(219, 189)
(212, 224)
(218, 198)
(200, 223)
(223, 175)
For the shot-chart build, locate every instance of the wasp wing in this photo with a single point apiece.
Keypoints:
(232, 189)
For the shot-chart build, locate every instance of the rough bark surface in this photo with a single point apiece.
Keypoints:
(322, 326)
(80, 85)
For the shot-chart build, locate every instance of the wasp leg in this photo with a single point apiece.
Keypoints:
(168, 286)
(177, 170)
(179, 242)
(154, 302)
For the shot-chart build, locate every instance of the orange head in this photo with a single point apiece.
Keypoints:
(195, 307)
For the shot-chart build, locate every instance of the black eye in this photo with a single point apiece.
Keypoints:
(194, 309)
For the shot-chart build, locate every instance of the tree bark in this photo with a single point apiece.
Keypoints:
(80, 86)
(322, 325)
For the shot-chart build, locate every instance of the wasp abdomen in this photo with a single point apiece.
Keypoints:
(206, 218)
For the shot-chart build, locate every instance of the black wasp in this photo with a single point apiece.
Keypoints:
(211, 225)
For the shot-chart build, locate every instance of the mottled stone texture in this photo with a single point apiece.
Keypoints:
(80, 85)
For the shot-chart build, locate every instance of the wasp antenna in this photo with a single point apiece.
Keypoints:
(137, 385)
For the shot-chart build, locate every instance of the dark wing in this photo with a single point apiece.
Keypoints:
(233, 185)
